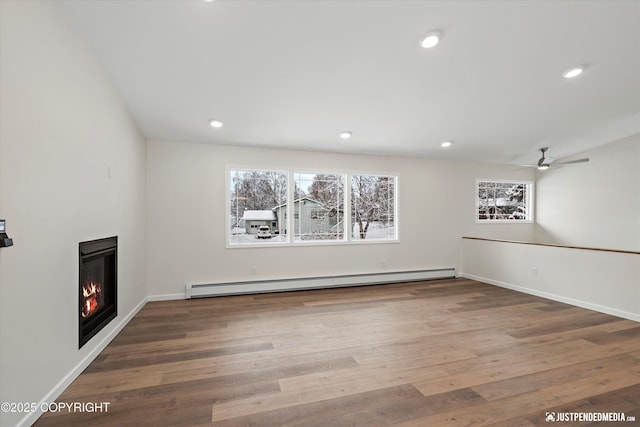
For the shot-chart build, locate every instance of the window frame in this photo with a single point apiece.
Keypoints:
(528, 201)
(290, 210)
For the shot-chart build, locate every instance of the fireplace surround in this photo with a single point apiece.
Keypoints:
(98, 286)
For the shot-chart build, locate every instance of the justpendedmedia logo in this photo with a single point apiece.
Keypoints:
(588, 417)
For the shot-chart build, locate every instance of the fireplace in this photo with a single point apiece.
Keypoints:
(98, 286)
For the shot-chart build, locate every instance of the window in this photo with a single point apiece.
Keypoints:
(373, 207)
(318, 206)
(309, 207)
(503, 201)
(253, 196)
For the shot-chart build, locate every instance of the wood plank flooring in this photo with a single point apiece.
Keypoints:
(435, 353)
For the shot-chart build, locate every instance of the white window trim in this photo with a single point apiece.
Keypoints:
(290, 241)
(529, 202)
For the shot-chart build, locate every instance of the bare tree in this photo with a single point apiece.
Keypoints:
(372, 199)
(328, 190)
(257, 190)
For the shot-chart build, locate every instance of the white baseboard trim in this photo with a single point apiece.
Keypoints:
(194, 290)
(571, 301)
(57, 390)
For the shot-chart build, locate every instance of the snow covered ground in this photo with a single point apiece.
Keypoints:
(376, 232)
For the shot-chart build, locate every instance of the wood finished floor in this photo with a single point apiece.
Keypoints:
(437, 353)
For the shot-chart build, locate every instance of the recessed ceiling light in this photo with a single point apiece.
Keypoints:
(345, 135)
(446, 144)
(431, 39)
(573, 72)
(215, 124)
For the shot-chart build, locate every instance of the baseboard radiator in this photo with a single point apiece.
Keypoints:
(260, 286)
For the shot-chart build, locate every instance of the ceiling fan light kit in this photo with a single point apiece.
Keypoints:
(542, 165)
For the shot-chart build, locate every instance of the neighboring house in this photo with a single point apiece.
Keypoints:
(309, 217)
(500, 207)
(252, 220)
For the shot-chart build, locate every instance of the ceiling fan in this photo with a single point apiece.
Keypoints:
(546, 163)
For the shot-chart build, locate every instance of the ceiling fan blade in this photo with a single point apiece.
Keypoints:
(586, 159)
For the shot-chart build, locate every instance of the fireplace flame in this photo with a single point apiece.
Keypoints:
(91, 293)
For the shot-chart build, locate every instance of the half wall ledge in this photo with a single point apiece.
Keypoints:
(586, 248)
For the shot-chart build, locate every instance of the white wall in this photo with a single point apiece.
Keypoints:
(62, 126)
(597, 280)
(595, 204)
(186, 217)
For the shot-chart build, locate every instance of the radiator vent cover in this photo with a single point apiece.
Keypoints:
(195, 290)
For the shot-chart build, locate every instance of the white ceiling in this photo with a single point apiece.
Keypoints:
(294, 74)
